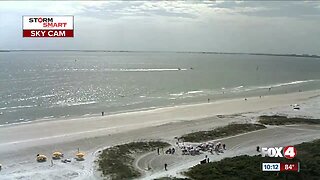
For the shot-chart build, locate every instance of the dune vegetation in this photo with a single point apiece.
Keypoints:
(220, 132)
(284, 120)
(116, 162)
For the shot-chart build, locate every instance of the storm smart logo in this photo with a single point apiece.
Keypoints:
(48, 26)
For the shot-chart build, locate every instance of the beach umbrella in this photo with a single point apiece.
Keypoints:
(80, 154)
(57, 155)
(41, 158)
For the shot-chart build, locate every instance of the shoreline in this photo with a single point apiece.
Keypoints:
(248, 92)
(78, 128)
(152, 108)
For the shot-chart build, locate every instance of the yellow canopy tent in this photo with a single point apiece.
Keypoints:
(57, 155)
(41, 158)
(80, 156)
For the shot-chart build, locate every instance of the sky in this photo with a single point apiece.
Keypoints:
(220, 26)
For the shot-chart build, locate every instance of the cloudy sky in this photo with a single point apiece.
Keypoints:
(227, 26)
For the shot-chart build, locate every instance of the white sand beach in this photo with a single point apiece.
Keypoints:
(20, 143)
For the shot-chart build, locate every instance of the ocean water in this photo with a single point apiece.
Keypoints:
(50, 85)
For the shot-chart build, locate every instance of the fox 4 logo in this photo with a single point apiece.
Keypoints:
(288, 152)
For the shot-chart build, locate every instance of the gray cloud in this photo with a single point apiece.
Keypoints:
(121, 9)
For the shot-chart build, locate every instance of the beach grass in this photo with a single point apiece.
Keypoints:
(116, 162)
(249, 167)
(284, 120)
(229, 130)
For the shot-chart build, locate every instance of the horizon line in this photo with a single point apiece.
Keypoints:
(154, 51)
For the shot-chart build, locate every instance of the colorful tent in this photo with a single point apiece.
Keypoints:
(41, 158)
(80, 155)
(57, 155)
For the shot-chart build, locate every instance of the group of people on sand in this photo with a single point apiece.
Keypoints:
(170, 151)
(203, 147)
(205, 160)
(190, 150)
(212, 147)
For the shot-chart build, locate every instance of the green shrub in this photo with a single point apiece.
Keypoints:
(229, 130)
(116, 162)
(283, 120)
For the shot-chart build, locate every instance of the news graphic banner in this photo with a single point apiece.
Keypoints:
(288, 152)
(281, 166)
(48, 26)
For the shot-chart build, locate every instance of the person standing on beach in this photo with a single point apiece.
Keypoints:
(102, 113)
(158, 150)
(165, 166)
(208, 100)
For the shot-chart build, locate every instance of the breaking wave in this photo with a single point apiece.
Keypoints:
(281, 84)
(119, 70)
(17, 107)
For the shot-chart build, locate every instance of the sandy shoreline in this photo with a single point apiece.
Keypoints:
(94, 133)
(73, 129)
